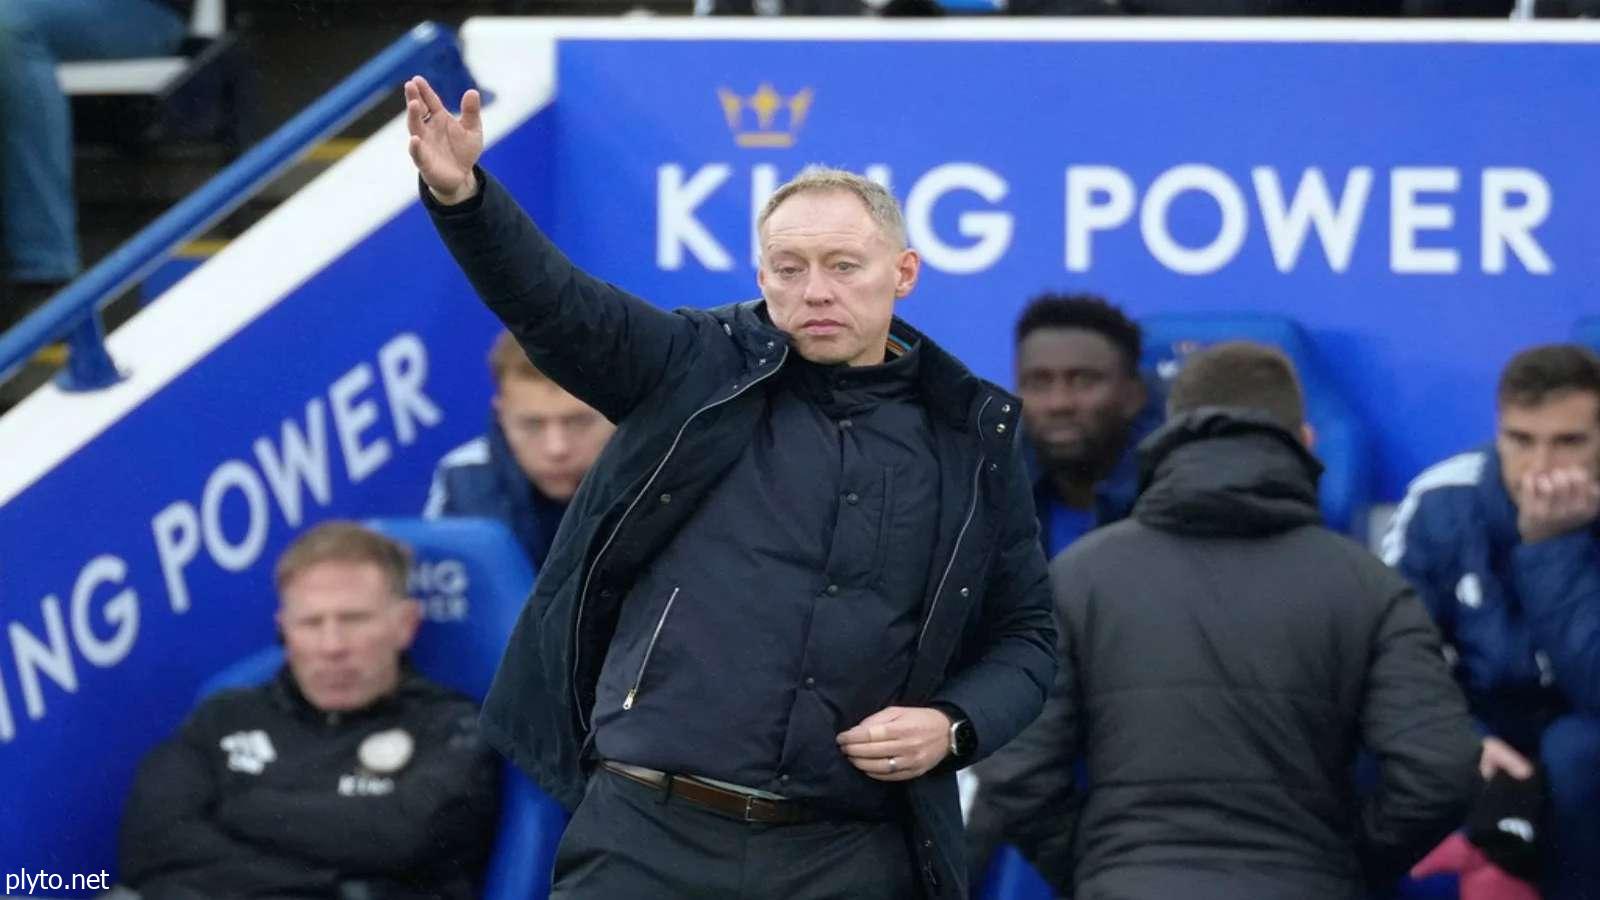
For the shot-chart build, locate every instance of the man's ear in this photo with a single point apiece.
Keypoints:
(907, 268)
(410, 613)
(1308, 435)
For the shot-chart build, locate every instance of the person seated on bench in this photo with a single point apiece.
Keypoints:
(347, 775)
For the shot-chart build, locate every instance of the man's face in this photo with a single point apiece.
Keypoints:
(830, 277)
(1563, 432)
(1078, 398)
(554, 436)
(344, 630)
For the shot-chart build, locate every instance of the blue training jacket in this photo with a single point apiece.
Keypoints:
(1524, 619)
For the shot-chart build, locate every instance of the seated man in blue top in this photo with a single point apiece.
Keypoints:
(1084, 408)
(541, 441)
(1504, 547)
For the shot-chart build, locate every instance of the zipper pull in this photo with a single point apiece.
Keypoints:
(627, 702)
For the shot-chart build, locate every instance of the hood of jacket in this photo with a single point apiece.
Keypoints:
(1226, 472)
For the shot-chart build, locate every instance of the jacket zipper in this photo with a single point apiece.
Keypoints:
(972, 508)
(577, 627)
(627, 702)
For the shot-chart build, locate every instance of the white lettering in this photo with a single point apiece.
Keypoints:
(991, 230)
(404, 364)
(230, 556)
(299, 463)
(1312, 205)
(1086, 215)
(177, 532)
(121, 611)
(1408, 215)
(1158, 200)
(676, 225)
(350, 418)
(1512, 226)
(33, 657)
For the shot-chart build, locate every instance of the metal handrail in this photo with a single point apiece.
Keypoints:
(428, 49)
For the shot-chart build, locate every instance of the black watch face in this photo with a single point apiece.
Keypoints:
(966, 739)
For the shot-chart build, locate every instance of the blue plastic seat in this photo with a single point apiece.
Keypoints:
(472, 580)
(1587, 332)
(1342, 440)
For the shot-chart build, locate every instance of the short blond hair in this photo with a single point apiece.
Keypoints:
(508, 360)
(880, 204)
(348, 542)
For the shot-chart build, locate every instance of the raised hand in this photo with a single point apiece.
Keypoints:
(444, 147)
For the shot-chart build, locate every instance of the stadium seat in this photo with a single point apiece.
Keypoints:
(1587, 332)
(1343, 443)
(203, 93)
(1010, 877)
(472, 579)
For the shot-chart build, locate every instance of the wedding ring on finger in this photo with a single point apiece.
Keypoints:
(893, 765)
(426, 116)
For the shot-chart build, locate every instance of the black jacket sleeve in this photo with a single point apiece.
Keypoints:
(605, 346)
(1027, 793)
(1003, 687)
(1414, 719)
(442, 808)
(170, 838)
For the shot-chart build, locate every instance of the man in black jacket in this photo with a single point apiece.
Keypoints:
(1224, 658)
(801, 585)
(349, 775)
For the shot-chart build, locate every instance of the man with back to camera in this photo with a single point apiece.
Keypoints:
(800, 587)
(525, 469)
(1504, 547)
(348, 775)
(1223, 657)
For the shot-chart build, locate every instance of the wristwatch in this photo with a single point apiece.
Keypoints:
(963, 739)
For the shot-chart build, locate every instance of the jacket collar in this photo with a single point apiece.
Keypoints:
(1499, 511)
(949, 388)
(1226, 471)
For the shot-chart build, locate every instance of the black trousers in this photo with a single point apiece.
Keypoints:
(629, 841)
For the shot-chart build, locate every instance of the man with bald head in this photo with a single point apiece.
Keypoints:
(801, 586)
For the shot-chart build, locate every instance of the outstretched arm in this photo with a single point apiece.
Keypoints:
(603, 345)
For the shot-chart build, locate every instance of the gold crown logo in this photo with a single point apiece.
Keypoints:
(764, 104)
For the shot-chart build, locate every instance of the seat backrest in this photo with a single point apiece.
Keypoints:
(1342, 440)
(472, 580)
(1587, 332)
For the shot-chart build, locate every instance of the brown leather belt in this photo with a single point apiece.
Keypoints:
(733, 804)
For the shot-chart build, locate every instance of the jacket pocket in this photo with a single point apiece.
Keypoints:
(650, 648)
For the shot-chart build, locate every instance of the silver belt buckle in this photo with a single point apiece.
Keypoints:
(749, 807)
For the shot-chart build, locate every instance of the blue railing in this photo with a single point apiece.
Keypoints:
(73, 314)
